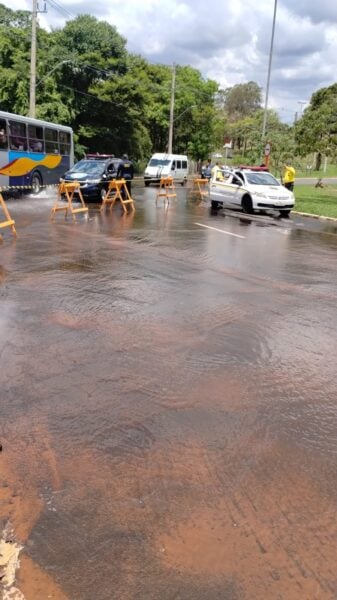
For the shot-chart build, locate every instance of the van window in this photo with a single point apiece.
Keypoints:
(184, 164)
(178, 164)
(173, 166)
(18, 135)
(159, 162)
(3, 135)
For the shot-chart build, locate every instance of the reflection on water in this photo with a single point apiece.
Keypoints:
(168, 415)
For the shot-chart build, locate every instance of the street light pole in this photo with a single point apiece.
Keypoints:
(32, 108)
(173, 86)
(269, 72)
(302, 104)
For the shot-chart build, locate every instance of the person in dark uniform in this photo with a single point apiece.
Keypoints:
(125, 171)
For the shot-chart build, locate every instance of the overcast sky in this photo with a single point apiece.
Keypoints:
(227, 41)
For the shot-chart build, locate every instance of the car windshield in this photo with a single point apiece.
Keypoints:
(261, 179)
(92, 167)
(159, 162)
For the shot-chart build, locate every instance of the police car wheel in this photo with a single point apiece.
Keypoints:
(103, 193)
(247, 205)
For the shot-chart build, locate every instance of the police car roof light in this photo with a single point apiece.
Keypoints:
(99, 156)
(254, 168)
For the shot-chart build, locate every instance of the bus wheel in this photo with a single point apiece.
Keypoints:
(36, 183)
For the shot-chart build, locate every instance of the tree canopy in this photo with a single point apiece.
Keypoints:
(115, 101)
(316, 131)
(118, 102)
(242, 100)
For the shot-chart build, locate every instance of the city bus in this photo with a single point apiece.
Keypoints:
(33, 153)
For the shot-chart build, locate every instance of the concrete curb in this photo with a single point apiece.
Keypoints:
(321, 218)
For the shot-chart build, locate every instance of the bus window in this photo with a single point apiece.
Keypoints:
(17, 135)
(52, 144)
(3, 135)
(35, 138)
(64, 142)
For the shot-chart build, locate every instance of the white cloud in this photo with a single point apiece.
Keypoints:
(228, 42)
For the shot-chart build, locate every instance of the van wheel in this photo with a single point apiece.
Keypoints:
(285, 213)
(183, 182)
(247, 205)
(36, 183)
(147, 183)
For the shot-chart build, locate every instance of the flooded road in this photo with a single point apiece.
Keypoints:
(168, 404)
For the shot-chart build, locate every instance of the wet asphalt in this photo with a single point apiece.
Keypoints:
(168, 401)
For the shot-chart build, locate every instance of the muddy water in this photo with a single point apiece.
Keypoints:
(168, 405)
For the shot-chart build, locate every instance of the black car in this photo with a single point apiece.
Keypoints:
(93, 173)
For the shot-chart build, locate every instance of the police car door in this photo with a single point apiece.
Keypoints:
(234, 192)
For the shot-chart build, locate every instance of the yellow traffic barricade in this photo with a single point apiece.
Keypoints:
(202, 185)
(166, 188)
(9, 222)
(117, 190)
(69, 190)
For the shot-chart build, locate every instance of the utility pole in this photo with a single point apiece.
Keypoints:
(269, 72)
(32, 100)
(173, 87)
(32, 111)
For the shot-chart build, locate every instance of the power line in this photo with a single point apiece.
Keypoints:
(68, 87)
(61, 9)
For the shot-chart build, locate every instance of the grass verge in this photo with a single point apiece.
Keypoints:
(316, 201)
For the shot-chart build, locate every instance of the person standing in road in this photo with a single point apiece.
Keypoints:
(289, 176)
(206, 170)
(125, 171)
(215, 170)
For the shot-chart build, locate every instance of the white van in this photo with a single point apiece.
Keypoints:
(163, 165)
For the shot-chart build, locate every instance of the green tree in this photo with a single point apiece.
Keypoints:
(115, 101)
(247, 133)
(14, 60)
(316, 131)
(241, 100)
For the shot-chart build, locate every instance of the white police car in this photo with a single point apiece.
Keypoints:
(249, 188)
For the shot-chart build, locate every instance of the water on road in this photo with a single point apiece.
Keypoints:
(168, 403)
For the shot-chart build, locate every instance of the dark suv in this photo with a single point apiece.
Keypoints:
(93, 173)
